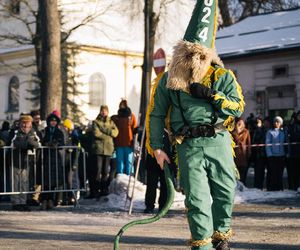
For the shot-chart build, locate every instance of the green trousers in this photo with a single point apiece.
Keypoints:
(207, 175)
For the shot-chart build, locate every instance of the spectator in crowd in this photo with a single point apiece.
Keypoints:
(86, 138)
(267, 124)
(5, 131)
(72, 162)
(293, 167)
(104, 130)
(156, 175)
(36, 122)
(259, 154)
(52, 167)
(36, 126)
(24, 141)
(3, 141)
(250, 123)
(241, 137)
(275, 151)
(127, 126)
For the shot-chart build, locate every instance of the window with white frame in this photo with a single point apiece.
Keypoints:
(13, 94)
(97, 89)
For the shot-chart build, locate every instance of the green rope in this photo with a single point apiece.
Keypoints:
(162, 212)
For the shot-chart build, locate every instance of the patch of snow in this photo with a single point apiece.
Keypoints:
(118, 192)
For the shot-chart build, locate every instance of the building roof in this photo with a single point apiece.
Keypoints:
(262, 33)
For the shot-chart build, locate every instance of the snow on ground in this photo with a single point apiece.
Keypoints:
(118, 193)
(246, 195)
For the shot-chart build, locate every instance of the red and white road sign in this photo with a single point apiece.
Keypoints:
(159, 61)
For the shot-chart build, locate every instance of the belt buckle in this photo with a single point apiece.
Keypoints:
(210, 131)
(194, 132)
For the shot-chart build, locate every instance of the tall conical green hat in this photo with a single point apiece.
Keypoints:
(203, 24)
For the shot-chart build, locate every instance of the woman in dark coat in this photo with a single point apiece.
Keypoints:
(52, 168)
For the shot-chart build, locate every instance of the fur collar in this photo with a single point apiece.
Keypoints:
(189, 64)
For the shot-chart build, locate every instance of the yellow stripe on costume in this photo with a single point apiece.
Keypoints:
(215, 25)
(228, 104)
(149, 110)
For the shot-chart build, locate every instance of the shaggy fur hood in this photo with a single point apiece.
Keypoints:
(189, 64)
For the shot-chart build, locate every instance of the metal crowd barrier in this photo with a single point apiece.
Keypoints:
(48, 169)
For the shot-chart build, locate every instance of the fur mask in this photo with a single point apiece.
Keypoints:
(189, 64)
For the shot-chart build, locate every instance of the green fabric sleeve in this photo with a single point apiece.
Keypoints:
(228, 99)
(158, 114)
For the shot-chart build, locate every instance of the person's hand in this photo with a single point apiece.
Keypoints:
(200, 91)
(161, 157)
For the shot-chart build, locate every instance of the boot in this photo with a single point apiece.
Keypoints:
(221, 245)
(50, 204)
(44, 205)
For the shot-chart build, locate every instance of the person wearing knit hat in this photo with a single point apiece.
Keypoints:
(103, 132)
(275, 150)
(126, 123)
(200, 99)
(71, 161)
(53, 139)
(24, 140)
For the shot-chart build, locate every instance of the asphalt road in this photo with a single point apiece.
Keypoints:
(275, 225)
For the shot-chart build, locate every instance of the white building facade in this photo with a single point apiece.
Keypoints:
(108, 59)
(264, 52)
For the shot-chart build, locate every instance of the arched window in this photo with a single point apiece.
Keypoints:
(97, 89)
(13, 94)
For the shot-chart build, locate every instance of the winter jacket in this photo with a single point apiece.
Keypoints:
(104, 130)
(294, 136)
(4, 137)
(54, 137)
(53, 158)
(259, 137)
(127, 125)
(243, 147)
(23, 144)
(276, 137)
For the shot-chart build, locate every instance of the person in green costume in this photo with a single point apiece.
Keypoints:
(200, 99)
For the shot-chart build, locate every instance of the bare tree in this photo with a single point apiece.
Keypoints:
(51, 57)
(233, 11)
(32, 17)
(225, 13)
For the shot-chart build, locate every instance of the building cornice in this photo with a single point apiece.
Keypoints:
(16, 53)
(103, 50)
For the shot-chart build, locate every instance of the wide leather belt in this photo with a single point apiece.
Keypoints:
(203, 130)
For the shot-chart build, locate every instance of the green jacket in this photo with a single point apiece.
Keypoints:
(226, 104)
(103, 130)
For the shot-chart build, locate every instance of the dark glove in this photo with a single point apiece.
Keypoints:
(200, 91)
